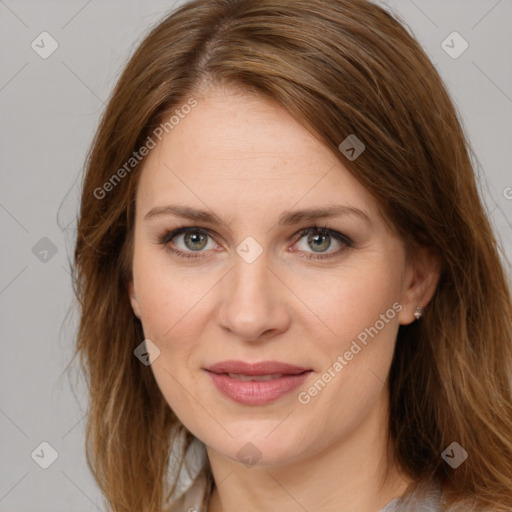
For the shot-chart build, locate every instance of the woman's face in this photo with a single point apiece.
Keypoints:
(256, 282)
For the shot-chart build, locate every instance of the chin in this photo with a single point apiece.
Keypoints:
(258, 448)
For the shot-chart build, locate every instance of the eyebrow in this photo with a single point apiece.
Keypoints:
(287, 218)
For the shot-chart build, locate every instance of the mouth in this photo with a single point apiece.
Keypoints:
(256, 383)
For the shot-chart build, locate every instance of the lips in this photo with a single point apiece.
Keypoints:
(256, 383)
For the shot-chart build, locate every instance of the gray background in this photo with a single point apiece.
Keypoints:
(50, 109)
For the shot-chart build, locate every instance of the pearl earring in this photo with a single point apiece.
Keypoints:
(418, 313)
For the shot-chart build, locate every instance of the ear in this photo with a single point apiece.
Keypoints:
(133, 299)
(422, 275)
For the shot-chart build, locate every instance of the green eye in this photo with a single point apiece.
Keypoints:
(194, 240)
(319, 240)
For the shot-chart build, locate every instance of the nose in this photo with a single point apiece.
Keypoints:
(253, 306)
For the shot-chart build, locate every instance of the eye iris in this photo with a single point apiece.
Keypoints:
(319, 242)
(197, 239)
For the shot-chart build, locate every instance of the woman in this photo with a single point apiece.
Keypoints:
(283, 263)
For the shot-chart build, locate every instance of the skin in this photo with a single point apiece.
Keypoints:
(246, 159)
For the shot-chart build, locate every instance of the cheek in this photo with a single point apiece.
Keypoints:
(173, 310)
(170, 301)
(358, 312)
(356, 362)
(346, 301)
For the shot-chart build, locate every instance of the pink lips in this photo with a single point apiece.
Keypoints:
(256, 383)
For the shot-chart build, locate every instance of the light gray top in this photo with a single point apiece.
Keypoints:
(430, 501)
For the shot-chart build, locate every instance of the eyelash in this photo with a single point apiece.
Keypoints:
(344, 239)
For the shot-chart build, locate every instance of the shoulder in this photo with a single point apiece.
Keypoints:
(427, 497)
(431, 497)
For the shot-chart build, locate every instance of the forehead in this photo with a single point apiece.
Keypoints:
(244, 151)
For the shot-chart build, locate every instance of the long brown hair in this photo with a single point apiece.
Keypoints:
(340, 67)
